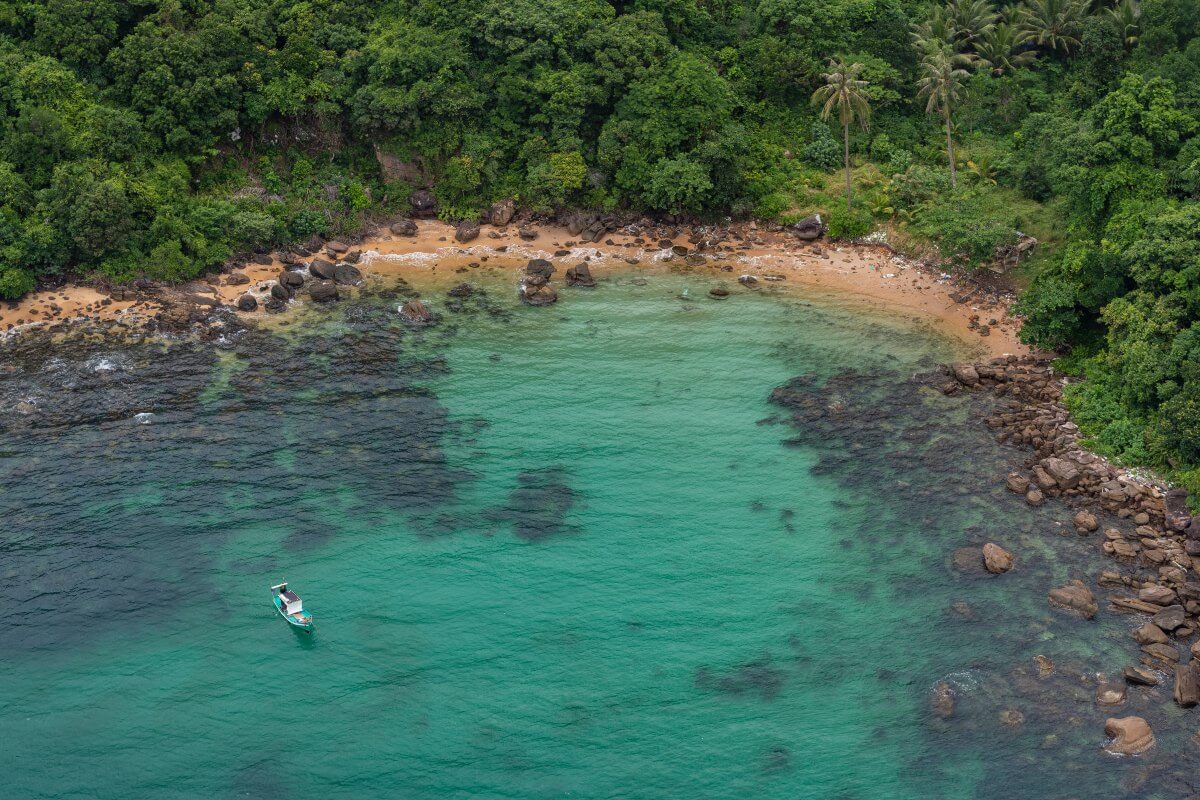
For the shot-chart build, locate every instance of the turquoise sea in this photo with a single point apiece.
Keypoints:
(566, 552)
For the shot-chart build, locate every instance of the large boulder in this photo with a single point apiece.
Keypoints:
(416, 313)
(405, 227)
(1178, 517)
(1140, 676)
(1187, 685)
(502, 213)
(1150, 634)
(580, 275)
(966, 374)
(941, 700)
(1016, 482)
(347, 274)
(1110, 693)
(593, 232)
(466, 232)
(423, 203)
(1075, 596)
(1042, 478)
(1065, 474)
(540, 267)
(1170, 618)
(247, 302)
(237, 279)
(323, 291)
(292, 280)
(996, 559)
(1160, 655)
(321, 269)
(1157, 594)
(809, 228)
(1131, 735)
(576, 223)
(1085, 521)
(539, 295)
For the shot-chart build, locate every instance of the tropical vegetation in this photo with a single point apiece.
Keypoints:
(159, 138)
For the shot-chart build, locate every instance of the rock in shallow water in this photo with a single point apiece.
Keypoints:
(1110, 694)
(996, 559)
(1017, 483)
(347, 274)
(942, 700)
(1187, 685)
(1170, 618)
(1075, 596)
(1140, 676)
(1131, 735)
(323, 291)
(415, 312)
(1149, 634)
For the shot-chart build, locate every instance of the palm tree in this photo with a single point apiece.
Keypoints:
(845, 92)
(941, 85)
(1005, 47)
(937, 31)
(1125, 17)
(973, 19)
(1055, 24)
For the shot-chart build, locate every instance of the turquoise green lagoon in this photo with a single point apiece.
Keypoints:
(564, 552)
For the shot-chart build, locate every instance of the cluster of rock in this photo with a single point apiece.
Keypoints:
(1030, 413)
(1154, 539)
(317, 269)
(535, 288)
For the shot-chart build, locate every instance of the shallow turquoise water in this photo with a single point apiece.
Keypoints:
(552, 553)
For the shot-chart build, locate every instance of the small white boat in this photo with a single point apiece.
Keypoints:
(291, 608)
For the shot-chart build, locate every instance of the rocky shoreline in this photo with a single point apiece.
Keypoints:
(1141, 524)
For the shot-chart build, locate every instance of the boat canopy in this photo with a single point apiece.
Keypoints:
(291, 602)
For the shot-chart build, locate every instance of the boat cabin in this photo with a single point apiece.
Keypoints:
(291, 602)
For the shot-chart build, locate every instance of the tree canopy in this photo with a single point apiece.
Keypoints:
(161, 137)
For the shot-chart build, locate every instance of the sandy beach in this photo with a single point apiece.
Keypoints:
(432, 259)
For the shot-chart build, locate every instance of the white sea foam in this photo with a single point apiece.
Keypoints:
(104, 363)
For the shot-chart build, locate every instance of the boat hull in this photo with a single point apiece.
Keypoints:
(307, 627)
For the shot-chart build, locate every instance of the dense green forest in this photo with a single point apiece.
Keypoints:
(161, 137)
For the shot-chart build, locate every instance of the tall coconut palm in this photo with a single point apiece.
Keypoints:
(1125, 18)
(941, 86)
(973, 19)
(1055, 24)
(846, 93)
(936, 31)
(1005, 47)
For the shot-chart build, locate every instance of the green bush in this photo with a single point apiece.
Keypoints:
(852, 223)
(823, 151)
(15, 283)
(772, 206)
